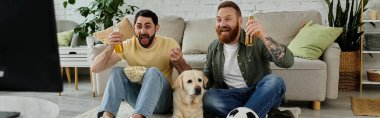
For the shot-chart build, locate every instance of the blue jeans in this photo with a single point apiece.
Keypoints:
(154, 95)
(267, 94)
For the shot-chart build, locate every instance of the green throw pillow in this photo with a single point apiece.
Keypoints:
(64, 38)
(312, 40)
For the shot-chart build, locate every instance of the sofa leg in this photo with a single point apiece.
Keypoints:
(316, 105)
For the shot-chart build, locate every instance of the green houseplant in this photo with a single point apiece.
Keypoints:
(349, 41)
(99, 14)
(349, 20)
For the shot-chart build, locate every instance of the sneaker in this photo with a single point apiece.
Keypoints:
(276, 113)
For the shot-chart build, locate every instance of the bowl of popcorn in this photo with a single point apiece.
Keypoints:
(135, 73)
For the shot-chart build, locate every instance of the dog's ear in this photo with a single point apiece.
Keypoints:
(205, 80)
(178, 82)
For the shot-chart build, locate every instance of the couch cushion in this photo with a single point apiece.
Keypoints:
(198, 35)
(312, 40)
(284, 26)
(300, 63)
(304, 84)
(281, 26)
(65, 25)
(196, 61)
(170, 26)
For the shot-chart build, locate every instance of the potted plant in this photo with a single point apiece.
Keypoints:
(99, 14)
(349, 40)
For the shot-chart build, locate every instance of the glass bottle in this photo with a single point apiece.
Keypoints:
(249, 40)
(118, 45)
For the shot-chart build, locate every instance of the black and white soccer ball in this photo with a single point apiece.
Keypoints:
(242, 112)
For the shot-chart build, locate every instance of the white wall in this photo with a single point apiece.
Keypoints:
(196, 9)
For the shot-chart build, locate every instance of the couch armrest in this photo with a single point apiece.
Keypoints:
(96, 50)
(100, 79)
(332, 58)
(97, 83)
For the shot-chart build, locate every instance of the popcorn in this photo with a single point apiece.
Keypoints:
(135, 73)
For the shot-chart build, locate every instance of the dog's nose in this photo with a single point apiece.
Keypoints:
(198, 90)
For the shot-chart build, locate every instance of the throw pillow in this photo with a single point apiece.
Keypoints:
(64, 38)
(312, 40)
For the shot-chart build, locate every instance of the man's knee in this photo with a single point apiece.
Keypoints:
(117, 71)
(117, 75)
(209, 106)
(153, 70)
(207, 101)
(210, 101)
(274, 79)
(152, 73)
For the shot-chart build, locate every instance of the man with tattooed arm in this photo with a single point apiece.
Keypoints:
(239, 75)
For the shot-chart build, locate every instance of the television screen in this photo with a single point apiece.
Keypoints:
(29, 59)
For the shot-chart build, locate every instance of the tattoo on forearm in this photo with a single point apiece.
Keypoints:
(276, 49)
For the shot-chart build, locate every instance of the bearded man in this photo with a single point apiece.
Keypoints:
(158, 53)
(239, 75)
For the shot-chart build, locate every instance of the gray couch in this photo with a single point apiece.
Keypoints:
(307, 80)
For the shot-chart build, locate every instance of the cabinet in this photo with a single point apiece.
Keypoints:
(76, 57)
(363, 68)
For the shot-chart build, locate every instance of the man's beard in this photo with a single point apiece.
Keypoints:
(150, 40)
(229, 37)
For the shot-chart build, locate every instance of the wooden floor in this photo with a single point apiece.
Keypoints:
(73, 102)
(338, 108)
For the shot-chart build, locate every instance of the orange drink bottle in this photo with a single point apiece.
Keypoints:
(119, 45)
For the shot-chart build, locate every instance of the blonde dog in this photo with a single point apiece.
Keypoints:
(188, 94)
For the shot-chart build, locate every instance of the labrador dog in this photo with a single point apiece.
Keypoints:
(188, 94)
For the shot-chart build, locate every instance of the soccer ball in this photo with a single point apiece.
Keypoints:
(242, 112)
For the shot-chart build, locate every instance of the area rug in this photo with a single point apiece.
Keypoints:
(365, 106)
(126, 111)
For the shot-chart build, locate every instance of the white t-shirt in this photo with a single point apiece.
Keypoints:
(231, 72)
